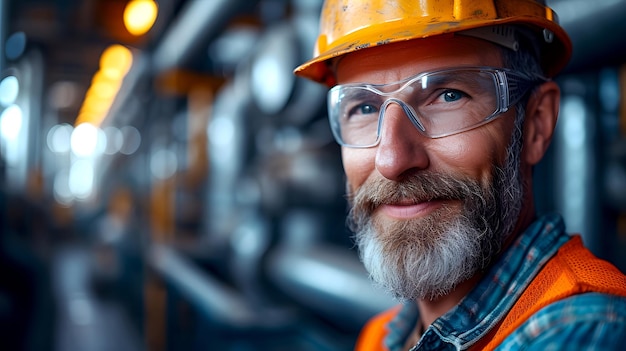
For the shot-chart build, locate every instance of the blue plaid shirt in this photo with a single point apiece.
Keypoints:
(590, 321)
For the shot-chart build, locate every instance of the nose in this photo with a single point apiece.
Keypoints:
(401, 149)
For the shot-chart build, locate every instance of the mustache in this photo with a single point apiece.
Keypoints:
(419, 187)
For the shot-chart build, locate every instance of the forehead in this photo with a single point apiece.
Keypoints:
(394, 62)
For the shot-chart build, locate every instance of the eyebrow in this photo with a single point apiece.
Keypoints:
(362, 93)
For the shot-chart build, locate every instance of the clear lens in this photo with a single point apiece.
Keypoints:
(438, 103)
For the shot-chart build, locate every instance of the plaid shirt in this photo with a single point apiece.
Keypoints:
(590, 321)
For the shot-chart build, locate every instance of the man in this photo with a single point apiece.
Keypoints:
(442, 109)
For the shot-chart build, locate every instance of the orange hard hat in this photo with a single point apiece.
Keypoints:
(350, 25)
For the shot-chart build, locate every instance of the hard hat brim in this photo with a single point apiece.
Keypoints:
(554, 54)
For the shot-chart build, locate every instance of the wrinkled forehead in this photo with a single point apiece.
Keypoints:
(395, 62)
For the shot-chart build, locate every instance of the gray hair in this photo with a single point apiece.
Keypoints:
(525, 61)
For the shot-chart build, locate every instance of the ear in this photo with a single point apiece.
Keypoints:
(542, 112)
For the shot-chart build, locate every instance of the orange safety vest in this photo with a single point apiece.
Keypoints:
(573, 270)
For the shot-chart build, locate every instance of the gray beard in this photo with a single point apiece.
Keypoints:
(428, 257)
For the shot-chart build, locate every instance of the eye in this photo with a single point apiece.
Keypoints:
(363, 109)
(452, 95)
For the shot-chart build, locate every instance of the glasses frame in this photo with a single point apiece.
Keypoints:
(511, 86)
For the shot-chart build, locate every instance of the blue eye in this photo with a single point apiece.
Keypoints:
(452, 95)
(363, 109)
(366, 109)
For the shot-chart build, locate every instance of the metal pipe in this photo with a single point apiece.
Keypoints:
(213, 298)
(198, 22)
(328, 279)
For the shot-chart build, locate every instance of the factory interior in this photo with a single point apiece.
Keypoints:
(176, 187)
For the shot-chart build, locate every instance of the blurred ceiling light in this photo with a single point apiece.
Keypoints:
(9, 88)
(59, 138)
(95, 104)
(115, 140)
(103, 90)
(139, 16)
(11, 123)
(115, 63)
(81, 179)
(84, 140)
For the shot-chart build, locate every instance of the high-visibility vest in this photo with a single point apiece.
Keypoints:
(572, 270)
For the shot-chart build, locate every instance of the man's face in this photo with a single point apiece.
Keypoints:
(429, 214)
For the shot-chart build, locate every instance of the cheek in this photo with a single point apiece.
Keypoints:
(473, 153)
(358, 164)
(464, 154)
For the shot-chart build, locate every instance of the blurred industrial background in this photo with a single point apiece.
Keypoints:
(168, 184)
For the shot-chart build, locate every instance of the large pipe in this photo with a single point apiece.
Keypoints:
(323, 278)
(199, 21)
(329, 280)
(214, 299)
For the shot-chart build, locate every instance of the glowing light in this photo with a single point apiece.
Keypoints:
(84, 140)
(139, 16)
(221, 131)
(116, 61)
(115, 139)
(11, 122)
(81, 179)
(268, 78)
(9, 88)
(104, 90)
(95, 105)
(101, 142)
(59, 138)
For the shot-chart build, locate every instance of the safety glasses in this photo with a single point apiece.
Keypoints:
(439, 103)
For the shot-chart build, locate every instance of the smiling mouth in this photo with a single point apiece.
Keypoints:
(411, 210)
